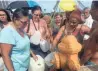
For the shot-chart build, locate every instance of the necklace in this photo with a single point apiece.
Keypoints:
(69, 31)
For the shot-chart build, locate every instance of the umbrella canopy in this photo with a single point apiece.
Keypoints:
(21, 4)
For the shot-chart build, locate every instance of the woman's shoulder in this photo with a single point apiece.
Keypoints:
(8, 28)
(5, 32)
(62, 28)
(42, 20)
(80, 26)
(43, 23)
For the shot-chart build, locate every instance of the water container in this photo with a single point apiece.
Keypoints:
(48, 59)
(44, 45)
(38, 65)
(35, 38)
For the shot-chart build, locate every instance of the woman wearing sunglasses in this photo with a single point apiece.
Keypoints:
(15, 44)
(35, 30)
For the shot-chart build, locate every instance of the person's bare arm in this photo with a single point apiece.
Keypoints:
(89, 49)
(86, 29)
(34, 56)
(0, 52)
(58, 36)
(86, 56)
(6, 50)
(46, 28)
(51, 37)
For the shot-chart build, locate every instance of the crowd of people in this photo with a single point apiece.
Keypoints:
(22, 37)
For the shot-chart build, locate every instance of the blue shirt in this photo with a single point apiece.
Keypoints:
(20, 53)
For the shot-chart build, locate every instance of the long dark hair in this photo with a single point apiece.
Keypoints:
(19, 13)
(8, 16)
(36, 8)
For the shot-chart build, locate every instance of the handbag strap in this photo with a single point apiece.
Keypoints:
(35, 26)
(28, 27)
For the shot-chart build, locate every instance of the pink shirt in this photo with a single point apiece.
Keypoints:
(41, 26)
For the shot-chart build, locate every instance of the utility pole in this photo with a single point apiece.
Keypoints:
(55, 8)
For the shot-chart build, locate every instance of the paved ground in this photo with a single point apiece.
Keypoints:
(89, 68)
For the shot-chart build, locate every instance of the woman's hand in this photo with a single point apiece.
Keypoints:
(35, 57)
(85, 28)
(58, 36)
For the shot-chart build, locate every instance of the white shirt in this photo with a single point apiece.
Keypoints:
(88, 22)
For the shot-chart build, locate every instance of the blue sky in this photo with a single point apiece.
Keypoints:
(47, 5)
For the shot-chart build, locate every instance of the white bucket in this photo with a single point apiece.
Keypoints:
(38, 65)
(48, 59)
(35, 38)
(44, 45)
